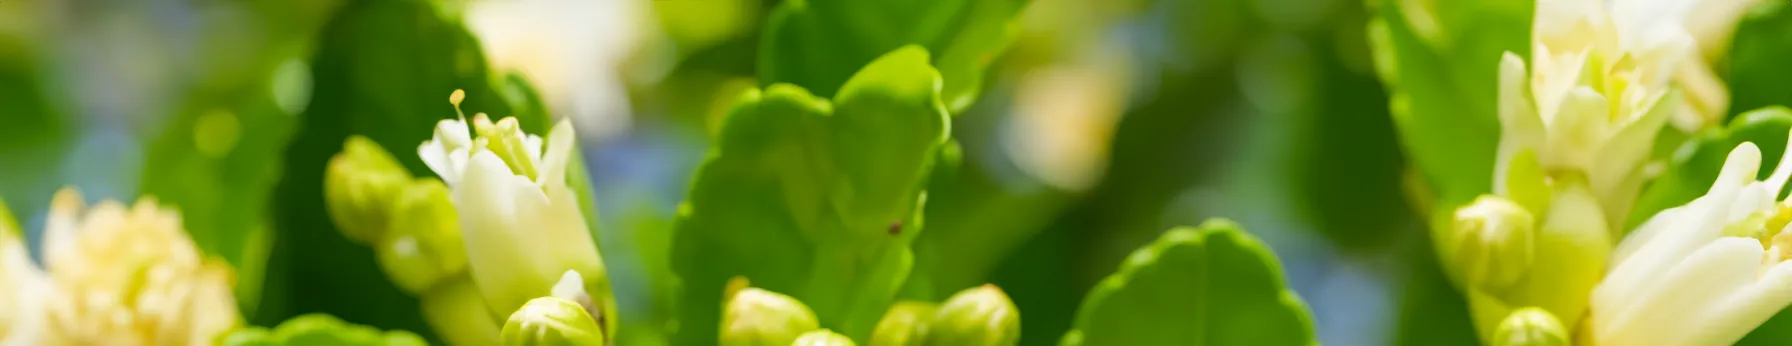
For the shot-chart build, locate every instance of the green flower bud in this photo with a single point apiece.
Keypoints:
(981, 316)
(757, 317)
(458, 313)
(552, 321)
(359, 184)
(422, 246)
(1531, 326)
(904, 325)
(1493, 242)
(822, 337)
(1571, 237)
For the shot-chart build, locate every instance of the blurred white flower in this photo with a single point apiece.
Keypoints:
(22, 289)
(570, 49)
(1064, 119)
(123, 275)
(1705, 273)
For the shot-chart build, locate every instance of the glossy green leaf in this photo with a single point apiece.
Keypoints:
(1207, 285)
(1694, 166)
(812, 198)
(321, 329)
(817, 44)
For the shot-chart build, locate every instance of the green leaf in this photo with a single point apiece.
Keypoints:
(817, 44)
(321, 329)
(1695, 165)
(811, 198)
(219, 166)
(1432, 311)
(37, 136)
(1207, 285)
(1440, 61)
(1758, 76)
(1776, 331)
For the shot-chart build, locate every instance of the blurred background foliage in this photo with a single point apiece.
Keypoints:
(1080, 130)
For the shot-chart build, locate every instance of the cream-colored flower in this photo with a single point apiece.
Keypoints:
(1706, 273)
(130, 276)
(1598, 87)
(22, 289)
(522, 225)
(1594, 97)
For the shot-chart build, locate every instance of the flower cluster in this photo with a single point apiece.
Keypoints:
(112, 275)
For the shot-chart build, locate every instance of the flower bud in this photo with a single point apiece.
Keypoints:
(822, 337)
(757, 317)
(904, 325)
(552, 321)
(458, 313)
(359, 185)
(1530, 326)
(982, 316)
(422, 245)
(1571, 237)
(1493, 242)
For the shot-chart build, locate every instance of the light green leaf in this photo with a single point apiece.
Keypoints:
(1440, 61)
(812, 198)
(817, 44)
(321, 329)
(1207, 285)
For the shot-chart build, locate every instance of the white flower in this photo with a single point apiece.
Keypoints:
(446, 153)
(1596, 93)
(522, 226)
(130, 276)
(1706, 273)
(571, 49)
(22, 289)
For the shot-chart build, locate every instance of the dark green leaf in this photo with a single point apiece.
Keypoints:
(36, 137)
